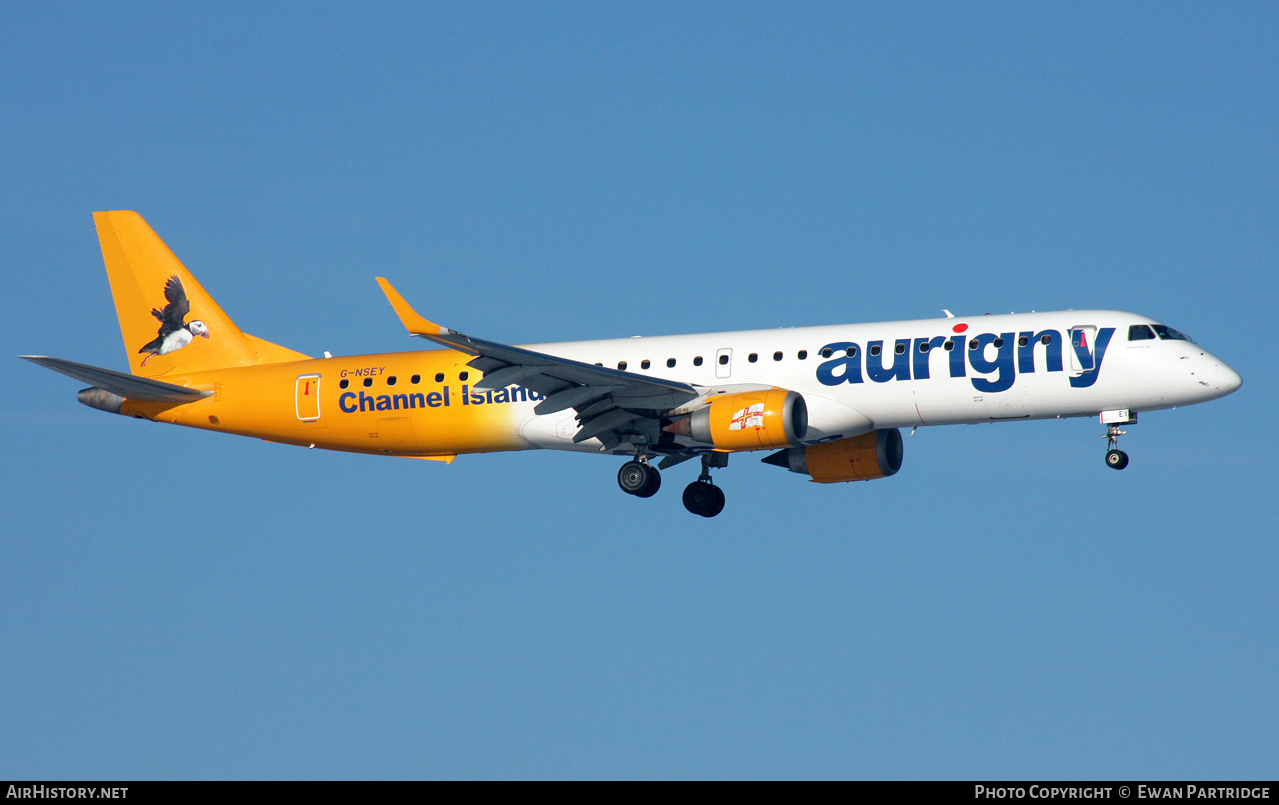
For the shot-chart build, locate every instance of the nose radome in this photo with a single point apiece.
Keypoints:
(1216, 377)
(1230, 379)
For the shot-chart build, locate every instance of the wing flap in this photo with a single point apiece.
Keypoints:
(611, 420)
(572, 397)
(506, 376)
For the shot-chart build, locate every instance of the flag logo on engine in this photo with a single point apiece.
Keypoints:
(752, 416)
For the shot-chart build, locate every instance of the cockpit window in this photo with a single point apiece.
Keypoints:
(1168, 334)
(1140, 332)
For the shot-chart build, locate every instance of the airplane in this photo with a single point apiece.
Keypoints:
(828, 402)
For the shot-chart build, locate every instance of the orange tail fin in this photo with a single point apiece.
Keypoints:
(169, 322)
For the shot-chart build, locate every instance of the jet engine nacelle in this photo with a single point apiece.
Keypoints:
(877, 454)
(748, 420)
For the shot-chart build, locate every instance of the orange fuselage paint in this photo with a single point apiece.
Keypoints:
(365, 403)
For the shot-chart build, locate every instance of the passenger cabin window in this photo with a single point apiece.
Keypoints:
(777, 356)
(697, 361)
(851, 352)
(723, 360)
(1166, 333)
(753, 357)
(1140, 332)
(803, 355)
(670, 363)
(390, 381)
(368, 382)
(621, 365)
(875, 350)
(344, 383)
(415, 379)
(439, 377)
(463, 375)
(644, 364)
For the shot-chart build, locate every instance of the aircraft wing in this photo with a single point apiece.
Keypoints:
(126, 385)
(606, 400)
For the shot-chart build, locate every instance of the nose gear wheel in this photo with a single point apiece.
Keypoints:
(1115, 458)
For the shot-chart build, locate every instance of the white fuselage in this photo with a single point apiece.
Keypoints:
(858, 377)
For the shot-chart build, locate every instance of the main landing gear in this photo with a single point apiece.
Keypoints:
(703, 496)
(639, 478)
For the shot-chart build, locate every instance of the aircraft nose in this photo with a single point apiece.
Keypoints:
(1218, 378)
(1230, 379)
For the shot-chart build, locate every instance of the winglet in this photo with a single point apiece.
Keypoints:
(414, 323)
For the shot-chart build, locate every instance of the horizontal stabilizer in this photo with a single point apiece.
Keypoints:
(126, 385)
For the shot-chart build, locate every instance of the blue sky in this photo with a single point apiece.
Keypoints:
(176, 604)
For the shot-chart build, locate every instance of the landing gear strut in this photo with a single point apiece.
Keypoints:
(703, 496)
(1115, 458)
(639, 478)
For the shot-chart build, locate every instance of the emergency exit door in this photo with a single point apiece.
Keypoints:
(307, 397)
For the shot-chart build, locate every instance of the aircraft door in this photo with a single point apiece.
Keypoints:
(724, 362)
(1082, 337)
(307, 398)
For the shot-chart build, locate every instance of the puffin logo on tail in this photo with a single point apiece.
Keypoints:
(141, 268)
(175, 333)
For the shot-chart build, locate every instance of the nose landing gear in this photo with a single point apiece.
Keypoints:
(1115, 458)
